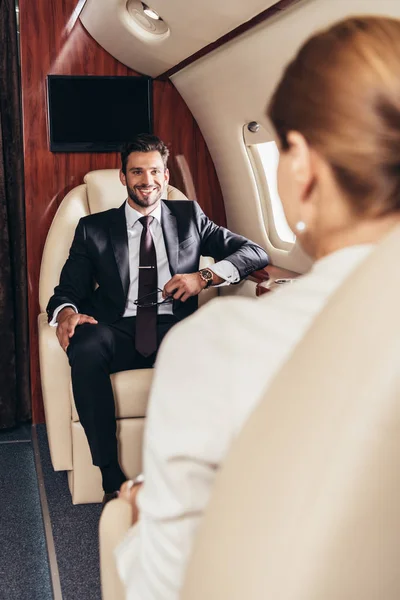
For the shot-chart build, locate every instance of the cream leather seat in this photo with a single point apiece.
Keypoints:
(306, 506)
(69, 449)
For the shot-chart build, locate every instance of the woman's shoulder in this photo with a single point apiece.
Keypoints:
(211, 322)
(220, 311)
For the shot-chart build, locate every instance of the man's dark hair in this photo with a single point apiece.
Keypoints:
(144, 142)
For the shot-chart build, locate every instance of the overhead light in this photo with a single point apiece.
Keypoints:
(150, 12)
(145, 23)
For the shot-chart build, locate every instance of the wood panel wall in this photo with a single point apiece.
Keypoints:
(52, 43)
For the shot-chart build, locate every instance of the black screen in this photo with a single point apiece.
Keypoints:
(97, 114)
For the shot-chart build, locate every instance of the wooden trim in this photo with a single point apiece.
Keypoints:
(271, 272)
(51, 175)
(260, 18)
(259, 276)
(262, 276)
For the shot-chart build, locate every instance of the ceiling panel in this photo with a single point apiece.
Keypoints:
(192, 25)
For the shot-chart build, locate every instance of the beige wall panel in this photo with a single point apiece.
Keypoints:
(231, 86)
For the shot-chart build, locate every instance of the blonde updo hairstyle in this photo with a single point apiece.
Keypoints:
(342, 93)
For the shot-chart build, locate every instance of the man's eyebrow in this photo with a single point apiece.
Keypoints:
(146, 168)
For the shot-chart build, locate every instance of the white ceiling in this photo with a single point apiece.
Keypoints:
(192, 26)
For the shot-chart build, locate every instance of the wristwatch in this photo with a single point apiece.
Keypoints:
(207, 276)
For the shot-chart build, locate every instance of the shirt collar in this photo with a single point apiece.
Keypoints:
(132, 215)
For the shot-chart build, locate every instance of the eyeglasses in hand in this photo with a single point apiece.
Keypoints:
(151, 299)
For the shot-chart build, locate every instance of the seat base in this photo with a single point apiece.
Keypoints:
(115, 521)
(85, 479)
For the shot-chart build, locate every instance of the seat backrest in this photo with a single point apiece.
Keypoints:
(100, 191)
(306, 506)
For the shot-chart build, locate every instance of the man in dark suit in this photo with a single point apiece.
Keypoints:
(144, 258)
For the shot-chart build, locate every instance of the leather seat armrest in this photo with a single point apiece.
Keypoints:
(55, 376)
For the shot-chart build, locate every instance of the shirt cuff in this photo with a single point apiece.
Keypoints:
(53, 322)
(226, 270)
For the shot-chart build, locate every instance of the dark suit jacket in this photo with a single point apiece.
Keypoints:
(99, 254)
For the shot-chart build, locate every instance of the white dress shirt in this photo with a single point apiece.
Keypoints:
(211, 371)
(135, 229)
(224, 269)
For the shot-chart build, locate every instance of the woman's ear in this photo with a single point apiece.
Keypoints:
(301, 163)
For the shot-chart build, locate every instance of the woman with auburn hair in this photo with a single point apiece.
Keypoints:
(336, 112)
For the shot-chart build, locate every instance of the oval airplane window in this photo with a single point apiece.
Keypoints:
(264, 158)
(269, 157)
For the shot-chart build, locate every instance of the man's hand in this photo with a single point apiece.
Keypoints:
(183, 286)
(67, 320)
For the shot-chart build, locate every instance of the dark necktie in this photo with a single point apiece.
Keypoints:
(146, 316)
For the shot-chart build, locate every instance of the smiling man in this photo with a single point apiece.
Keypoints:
(144, 256)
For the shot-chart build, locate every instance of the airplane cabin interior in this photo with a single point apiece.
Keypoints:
(305, 505)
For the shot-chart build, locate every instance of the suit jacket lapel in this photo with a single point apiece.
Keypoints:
(119, 240)
(170, 231)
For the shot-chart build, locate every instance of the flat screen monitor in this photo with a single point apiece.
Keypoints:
(97, 114)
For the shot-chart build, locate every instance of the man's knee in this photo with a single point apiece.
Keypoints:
(91, 343)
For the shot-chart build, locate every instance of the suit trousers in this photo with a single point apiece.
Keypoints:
(94, 353)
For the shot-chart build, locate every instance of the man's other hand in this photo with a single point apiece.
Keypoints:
(183, 286)
(67, 320)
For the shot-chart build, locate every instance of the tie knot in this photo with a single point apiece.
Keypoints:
(146, 221)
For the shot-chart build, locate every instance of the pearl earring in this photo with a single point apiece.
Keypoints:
(300, 227)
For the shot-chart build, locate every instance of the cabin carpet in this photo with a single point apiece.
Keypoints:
(24, 567)
(75, 532)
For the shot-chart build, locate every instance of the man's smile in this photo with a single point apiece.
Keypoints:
(145, 192)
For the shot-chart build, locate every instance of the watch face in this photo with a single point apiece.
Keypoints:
(206, 274)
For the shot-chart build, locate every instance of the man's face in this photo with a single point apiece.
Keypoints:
(145, 179)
